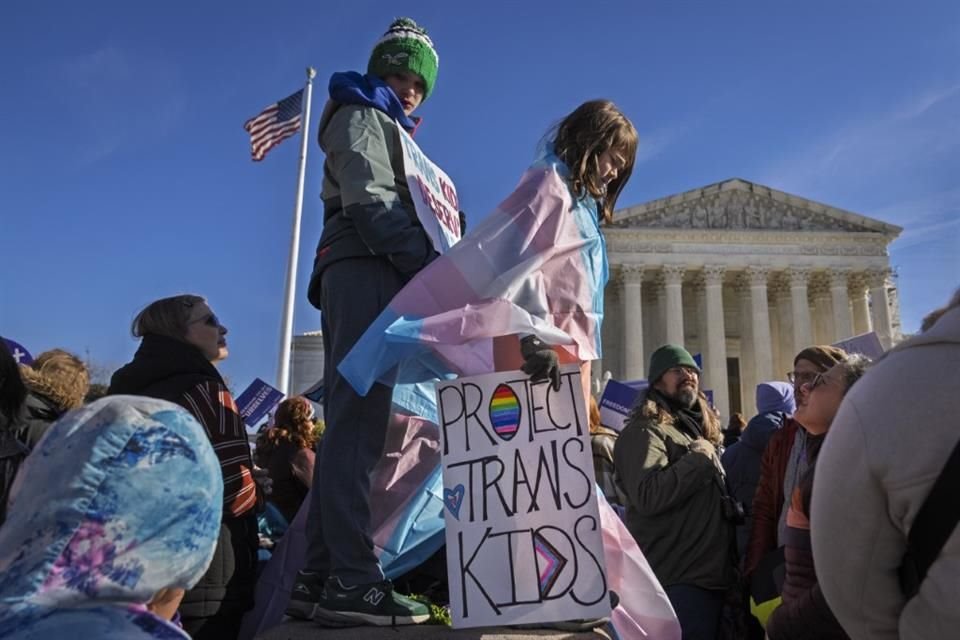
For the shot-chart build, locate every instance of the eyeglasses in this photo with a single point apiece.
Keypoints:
(211, 320)
(684, 371)
(818, 380)
(801, 377)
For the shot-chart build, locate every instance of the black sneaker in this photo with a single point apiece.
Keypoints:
(306, 595)
(373, 604)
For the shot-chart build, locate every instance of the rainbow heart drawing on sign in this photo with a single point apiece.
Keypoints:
(550, 563)
(505, 412)
(453, 498)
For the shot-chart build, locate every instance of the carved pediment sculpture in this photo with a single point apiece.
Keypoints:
(737, 204)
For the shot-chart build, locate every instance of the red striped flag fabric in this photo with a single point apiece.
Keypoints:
(274, 124)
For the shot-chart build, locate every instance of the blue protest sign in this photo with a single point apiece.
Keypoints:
(698, 358)
(21, 355)
(617, 401)
(257, 400)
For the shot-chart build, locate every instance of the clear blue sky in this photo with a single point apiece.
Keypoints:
(126, 173)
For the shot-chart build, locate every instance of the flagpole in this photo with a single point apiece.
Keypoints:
(286, 330)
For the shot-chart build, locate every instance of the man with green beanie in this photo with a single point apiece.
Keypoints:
(372, 244)
(678, 509)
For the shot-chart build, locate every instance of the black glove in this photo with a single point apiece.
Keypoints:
(540, 361)
(463, 224)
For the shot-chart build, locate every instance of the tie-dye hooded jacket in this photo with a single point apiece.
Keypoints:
(119, 500)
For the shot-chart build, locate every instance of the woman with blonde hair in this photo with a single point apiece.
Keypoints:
(181, 339)
(286, 451)
(57, 382)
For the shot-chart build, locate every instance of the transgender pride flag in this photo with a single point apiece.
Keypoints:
(536, 265)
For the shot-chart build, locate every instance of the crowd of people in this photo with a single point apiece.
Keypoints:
(801, 522)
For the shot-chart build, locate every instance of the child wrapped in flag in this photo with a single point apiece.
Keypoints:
(524, 289)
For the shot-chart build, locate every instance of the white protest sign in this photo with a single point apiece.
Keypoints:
(434, 196)
(867, 344)
(522, 522)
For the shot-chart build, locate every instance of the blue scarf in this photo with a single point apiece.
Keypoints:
(350, 87)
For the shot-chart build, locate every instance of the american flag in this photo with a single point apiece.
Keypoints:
(274, 124)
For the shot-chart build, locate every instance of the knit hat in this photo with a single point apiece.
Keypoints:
(823, 355)
(775, 396)
(405, 47)
(666, 357)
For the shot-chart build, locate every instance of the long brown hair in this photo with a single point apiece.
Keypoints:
(582, 137)
(293, 423)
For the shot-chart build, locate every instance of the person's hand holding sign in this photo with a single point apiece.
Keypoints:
(540, 361)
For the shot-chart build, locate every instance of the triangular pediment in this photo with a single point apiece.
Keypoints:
(738, 205)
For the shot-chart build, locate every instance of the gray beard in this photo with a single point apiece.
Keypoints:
(686, 397)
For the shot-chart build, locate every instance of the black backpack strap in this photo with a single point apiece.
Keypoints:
(935, 522)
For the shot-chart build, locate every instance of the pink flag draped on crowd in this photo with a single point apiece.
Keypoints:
(536, 265)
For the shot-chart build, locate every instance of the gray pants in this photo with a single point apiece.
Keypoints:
(353, 293)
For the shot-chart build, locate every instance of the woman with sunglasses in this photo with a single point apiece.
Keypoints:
(804, 612)
(181, 340)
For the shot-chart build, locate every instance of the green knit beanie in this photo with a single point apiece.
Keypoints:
(667, 357)
(405, 47)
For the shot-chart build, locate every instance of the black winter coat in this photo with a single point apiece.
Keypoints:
(172, 370)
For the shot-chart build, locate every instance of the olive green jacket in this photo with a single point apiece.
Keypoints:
(675, 499)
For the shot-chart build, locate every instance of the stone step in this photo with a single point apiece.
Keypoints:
(296, 630)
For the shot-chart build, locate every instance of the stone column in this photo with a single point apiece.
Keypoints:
(783, 335)
(698, 288)
(673, 285)
(748, 376)
(880, 306)
(632, 297)
(822, 313)
(861, 305)
(611, 333)
(760, 323)
(651, 320)
(840, 300)
(660, 293)
(715, 341)
(800, 309)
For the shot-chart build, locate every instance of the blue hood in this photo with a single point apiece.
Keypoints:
(350, 87)
(757, 433)
(120, 499)
(775, 397)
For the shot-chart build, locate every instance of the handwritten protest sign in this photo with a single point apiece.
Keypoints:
(522, 523)
(434, 196)
(257, 400)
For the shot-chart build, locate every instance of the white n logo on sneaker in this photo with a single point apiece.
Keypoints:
(374, 596)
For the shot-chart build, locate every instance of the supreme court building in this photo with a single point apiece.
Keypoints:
(747, 276)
